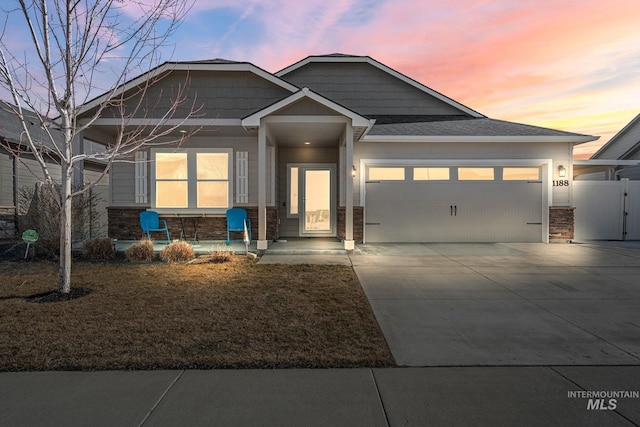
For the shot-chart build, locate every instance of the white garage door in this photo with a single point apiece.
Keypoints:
(422, 204)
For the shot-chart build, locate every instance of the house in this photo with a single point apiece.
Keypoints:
(20, 174)
(619, 158)
(338, 146)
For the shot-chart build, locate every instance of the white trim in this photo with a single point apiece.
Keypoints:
(598, 162)
(271, 153)
(545, 164)
(163, 122)
(192, 181)
(254, 119)
(381, 66)
(478, 138)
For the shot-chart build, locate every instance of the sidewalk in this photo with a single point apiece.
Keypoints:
(484, 396)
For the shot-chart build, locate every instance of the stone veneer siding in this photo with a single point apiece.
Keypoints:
(358, 223)
(7, 222)
(124, 224)
(561, 223)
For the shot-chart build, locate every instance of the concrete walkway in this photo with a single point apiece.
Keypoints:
(498, 396)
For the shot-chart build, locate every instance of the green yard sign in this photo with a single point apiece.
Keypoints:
(30, 236)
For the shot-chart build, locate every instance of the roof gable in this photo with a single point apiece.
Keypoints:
(369, 87)
(623, 144)
(305, 95)
(216, 65)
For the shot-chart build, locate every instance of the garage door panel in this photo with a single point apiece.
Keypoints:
(424, 211)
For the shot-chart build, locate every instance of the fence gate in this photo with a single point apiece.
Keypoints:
(607, 210)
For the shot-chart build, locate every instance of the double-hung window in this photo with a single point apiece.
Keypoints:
(191, 179)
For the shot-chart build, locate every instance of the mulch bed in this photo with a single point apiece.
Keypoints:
(236, 314)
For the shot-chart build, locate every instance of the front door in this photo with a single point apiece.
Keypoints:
(317, 204)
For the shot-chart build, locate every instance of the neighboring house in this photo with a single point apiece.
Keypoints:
(340, 146)
(619, 158)
(23, 172)
(607, 189)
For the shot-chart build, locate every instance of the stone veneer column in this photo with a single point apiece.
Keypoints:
(561, 223)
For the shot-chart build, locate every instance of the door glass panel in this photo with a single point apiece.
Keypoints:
(521, 174)
(293, 191)
(386, 174)
(317, 206)
(430, 174)
(475, 174)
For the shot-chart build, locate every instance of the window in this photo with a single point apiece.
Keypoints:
(430, 174)
(386, 174)
(192, 179)
(475, 174)
(521, 174)
(293, 192)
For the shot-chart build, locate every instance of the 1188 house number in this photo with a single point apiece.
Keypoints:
(561, 183)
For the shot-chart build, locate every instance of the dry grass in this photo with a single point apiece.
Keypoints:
(177, 252)
(141, 251)
(157, 316)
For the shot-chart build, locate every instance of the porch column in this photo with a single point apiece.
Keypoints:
(262, 187)
(348, 214)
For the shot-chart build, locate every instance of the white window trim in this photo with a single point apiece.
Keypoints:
(192, 181)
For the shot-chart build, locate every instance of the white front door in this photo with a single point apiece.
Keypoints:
(317, 202)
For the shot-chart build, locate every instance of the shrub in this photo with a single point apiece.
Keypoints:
(220, 255)
(98, 249)
(141, 251)
(39, 209)
(177, 252)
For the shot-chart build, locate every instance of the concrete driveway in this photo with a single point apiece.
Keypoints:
(505, 304)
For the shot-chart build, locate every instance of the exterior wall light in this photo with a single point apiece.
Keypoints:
(562, 172)
(353, 171)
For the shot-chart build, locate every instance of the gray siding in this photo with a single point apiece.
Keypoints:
(620, 144)
(217, 95)
(122, 184)
(631, 172)
(6, 179)
(367, 89)
(306, 107)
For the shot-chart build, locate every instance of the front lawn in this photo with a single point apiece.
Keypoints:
(157, 316)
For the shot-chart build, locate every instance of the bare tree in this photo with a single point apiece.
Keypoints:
(78, 49)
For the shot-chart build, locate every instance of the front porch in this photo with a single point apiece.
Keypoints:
(305, 246)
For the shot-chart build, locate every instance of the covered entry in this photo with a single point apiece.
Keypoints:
(454, 204)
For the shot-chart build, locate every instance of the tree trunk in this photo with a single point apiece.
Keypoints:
(64, 283)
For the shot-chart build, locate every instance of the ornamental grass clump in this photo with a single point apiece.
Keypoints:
(220, 255)
(141, 251)
(177, 252)
(98, 249)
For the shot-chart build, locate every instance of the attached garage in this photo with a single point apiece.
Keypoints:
(408, 203)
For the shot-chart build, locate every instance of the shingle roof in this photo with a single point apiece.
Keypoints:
(457, 126)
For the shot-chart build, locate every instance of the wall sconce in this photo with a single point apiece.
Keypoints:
(353, 171)
(562, 172)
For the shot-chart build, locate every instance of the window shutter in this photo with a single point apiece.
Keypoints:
(141, 166)
(242, 177)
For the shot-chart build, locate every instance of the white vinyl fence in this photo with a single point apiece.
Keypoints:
(607, 210)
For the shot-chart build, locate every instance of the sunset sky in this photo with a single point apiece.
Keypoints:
(570, 64)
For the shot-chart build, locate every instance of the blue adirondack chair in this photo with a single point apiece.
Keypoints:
(236, 220)
(149, 221)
